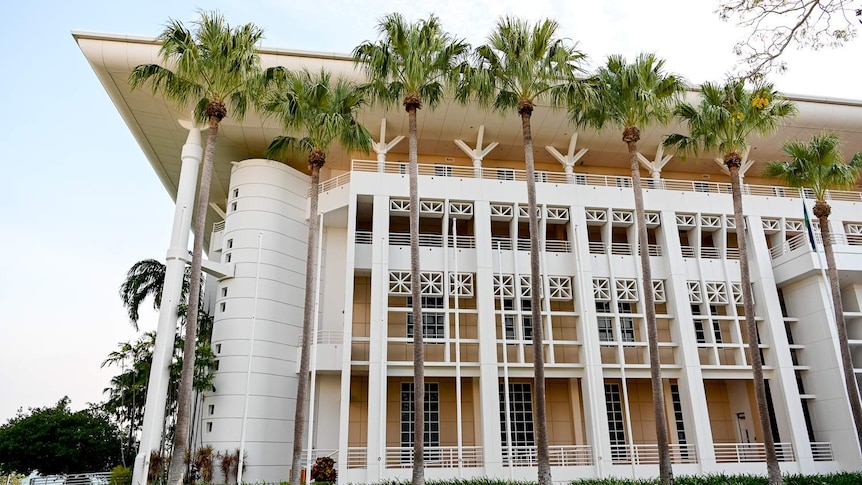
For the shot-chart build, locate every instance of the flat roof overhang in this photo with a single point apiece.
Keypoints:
(153, 122)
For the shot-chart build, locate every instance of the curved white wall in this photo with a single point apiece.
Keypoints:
(266, 199)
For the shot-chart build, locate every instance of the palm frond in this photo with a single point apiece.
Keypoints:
(418, 59)
(323, 108)
(623, 94)
(817, 165)
(212, 62)
(522, 62)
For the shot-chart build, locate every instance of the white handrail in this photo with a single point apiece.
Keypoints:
(508, 174)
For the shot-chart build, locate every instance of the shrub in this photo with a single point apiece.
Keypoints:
(121, 475)
(323, 470)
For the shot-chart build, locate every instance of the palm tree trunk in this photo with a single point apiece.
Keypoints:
(772, 468)
(664, 462)
(542, 457)
(301, 416)
(418, 327)
(181, 430)
(837, 306)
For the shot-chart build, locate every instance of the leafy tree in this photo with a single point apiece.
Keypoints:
(631, 96)
(215, 66)
(56, 440)
(413, 63)
(819, 165)
(325, 110)
(723, 121)
(775, 25)
(521, 65)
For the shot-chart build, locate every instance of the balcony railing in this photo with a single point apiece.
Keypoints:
(751, 452)
(503, 243)
(435, 456)
(571, 455)
(794, 242)
(506, 174)
(647, 454)
(357, 457)
(822, 451)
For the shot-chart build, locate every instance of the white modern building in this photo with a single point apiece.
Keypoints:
(475, 274)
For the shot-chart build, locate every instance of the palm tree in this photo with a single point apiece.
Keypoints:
(723, 121)
(632, 96)
(325, 109)
(214, 68)
(521, 65)
(819, 165)
(146, 278)
(413, 63)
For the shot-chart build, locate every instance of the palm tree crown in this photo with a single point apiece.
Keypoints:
(817, 165)
(626, 95)
(323, 108)
(411, 62)
(214, 66)
(727, 115)
(521, 65)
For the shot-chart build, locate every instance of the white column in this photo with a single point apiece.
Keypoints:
(377, 369)
(698, 430)
(478, 153)
(570, 158)
(157, 391)
(489, 390)
(381, 147)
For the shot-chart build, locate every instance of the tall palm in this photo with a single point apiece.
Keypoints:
(722, 122)
(213, 69)
(325, 110)
(819, 166)
(413, 63)
(521, 65)
(632, 96)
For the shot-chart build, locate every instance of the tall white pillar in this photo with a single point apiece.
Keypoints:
(157, 390)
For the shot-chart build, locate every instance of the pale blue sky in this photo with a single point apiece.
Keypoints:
(81, 203)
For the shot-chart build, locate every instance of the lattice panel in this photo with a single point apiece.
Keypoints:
(431, 206)
(460, 208)
(627, 290)
(431, 283)
(853, 228)
(716, 292)
(659, 295)
(685, 220)
(504, 285)
(399, 283)
(558, 213)
(794, 225)
(526, 288)
(652, 218)
(736, 290)
(622, 217)
(713, 222)
(596, 215)
(461, 284)
(524, 213)
(694, 293)
(772, 225)
(399, 205)
(560, 287)
(601, 289)
(501, 210)
(729, 222)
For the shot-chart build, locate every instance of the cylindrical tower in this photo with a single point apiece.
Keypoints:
(258, 319)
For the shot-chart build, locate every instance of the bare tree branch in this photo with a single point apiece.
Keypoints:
(775, 25)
